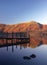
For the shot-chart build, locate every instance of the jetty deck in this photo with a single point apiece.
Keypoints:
(18, 36)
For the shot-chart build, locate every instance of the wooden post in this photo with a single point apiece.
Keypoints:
(16, 45)
(12, 38)
(12, 48)
(20, 47)
(7, 38)
(7, 47)
(3, 41)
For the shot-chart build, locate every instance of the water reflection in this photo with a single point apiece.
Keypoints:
(34, 42)
(33, 53)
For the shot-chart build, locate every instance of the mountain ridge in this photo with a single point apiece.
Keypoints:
(21, 27)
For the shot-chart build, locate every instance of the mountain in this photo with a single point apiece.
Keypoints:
(29, 26)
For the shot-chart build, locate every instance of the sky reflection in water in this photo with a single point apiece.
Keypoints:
(13, 55)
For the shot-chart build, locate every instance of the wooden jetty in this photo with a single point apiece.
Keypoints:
(17, 37)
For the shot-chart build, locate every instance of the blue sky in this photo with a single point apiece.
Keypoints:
(17, 11)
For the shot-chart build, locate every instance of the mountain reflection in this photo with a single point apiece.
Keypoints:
(34, 42)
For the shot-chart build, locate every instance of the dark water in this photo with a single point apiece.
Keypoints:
(14, 55)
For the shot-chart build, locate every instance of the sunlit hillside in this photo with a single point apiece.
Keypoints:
(28, 26)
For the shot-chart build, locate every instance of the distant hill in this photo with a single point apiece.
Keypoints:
(21, 27)
(28, 26)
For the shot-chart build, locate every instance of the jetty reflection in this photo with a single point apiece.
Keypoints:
(22, 39)
(33, 43)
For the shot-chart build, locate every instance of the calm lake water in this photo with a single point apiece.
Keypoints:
(14, 55)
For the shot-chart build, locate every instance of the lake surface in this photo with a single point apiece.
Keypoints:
(21, 54)
(14, 55)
